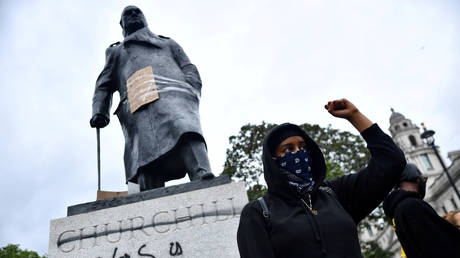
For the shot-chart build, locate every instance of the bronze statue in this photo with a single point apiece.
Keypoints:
(159, 91)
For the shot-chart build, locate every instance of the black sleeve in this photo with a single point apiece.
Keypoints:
(362, 192)
(420, 230)
(252, 237)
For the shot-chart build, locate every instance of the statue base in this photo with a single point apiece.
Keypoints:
(102, 195)
(196, 219)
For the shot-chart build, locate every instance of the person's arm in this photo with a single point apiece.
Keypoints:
(362, 192)
(252, 237)
(102, 98)
(191, 72)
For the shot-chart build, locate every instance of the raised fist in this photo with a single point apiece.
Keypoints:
(341, 108)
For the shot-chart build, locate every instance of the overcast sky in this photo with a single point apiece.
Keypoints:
(275, 61)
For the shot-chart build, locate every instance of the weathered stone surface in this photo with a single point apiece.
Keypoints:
(199, 223)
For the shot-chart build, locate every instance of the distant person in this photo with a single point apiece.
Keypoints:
(301, 215)
(421, 231)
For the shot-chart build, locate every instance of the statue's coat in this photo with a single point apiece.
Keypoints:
(154, 129)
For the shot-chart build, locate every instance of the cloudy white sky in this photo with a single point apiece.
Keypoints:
(275, 61)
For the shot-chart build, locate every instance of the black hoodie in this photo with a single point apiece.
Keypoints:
(422, 233)
(294, 231)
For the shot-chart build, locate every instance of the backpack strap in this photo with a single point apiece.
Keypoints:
(266, 211)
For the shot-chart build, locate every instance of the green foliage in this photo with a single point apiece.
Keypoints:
(13, 251)
(372, 250)
(377, 218)
(344, 153)
(244, 158)
(256, 191)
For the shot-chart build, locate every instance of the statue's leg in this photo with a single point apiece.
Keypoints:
(193, 152)
(148, 181)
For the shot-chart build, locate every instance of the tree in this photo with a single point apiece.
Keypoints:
(372, 250)
(13, 251)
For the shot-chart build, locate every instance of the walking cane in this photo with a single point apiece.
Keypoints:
(98, 159)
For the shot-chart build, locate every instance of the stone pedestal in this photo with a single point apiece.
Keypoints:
(197, 219)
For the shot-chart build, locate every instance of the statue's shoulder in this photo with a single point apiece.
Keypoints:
(114, 44)
(169, 41)
(112, 48)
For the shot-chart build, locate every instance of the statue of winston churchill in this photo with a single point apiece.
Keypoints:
(160, 92)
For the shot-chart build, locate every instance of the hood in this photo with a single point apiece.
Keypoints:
(277, 184)
(394, 198)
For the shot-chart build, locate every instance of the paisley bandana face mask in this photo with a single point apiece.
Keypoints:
(298, 166)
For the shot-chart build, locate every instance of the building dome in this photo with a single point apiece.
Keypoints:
(395, 117)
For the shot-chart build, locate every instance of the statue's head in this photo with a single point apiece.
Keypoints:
(132, 19)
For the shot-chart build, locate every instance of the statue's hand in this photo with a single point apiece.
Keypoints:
(99, 121)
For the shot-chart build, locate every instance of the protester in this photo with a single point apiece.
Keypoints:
(305, 215)
(420, 230)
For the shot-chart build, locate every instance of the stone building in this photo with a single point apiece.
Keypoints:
(439, 193)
